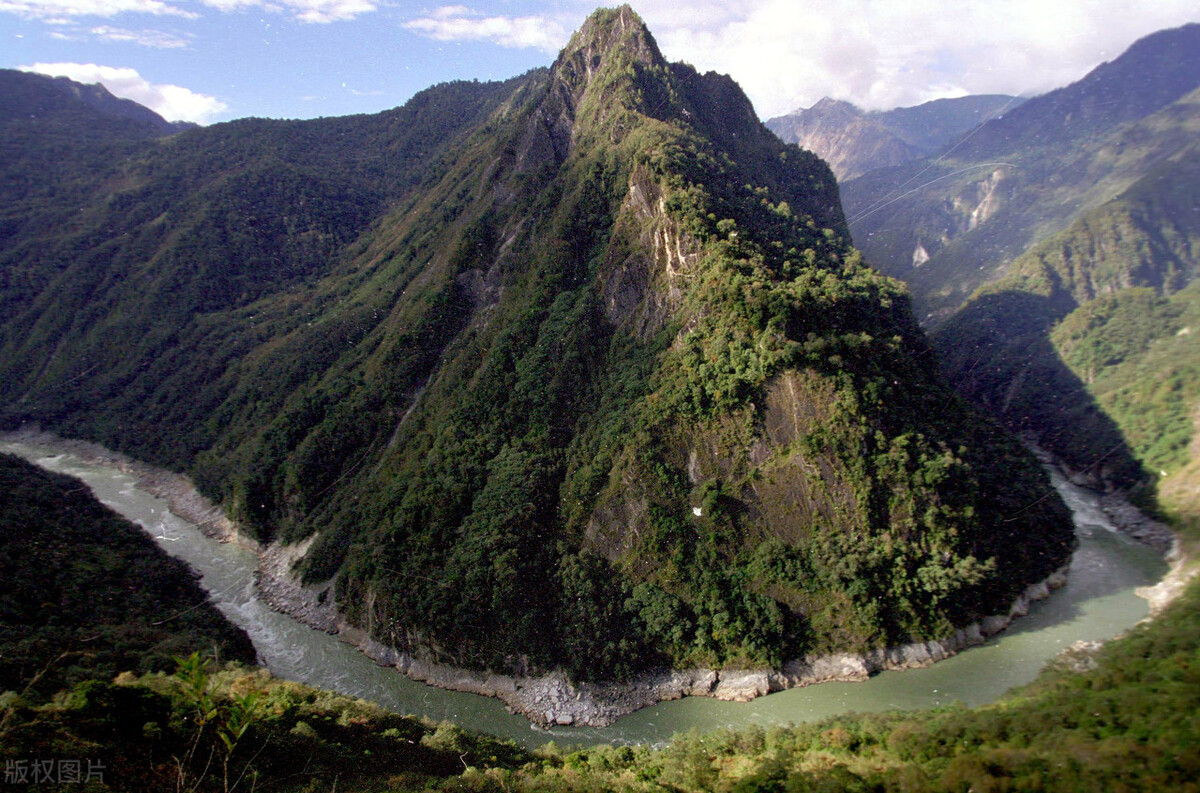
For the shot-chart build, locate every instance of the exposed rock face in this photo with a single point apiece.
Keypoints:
(850, 140)
(276, 583)
(1137, 524)
(663, 250)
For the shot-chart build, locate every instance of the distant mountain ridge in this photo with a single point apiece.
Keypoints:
(576, 371)
(854, 141)
(950, 223)
(1154, 72)
(1056, 251)
(32, 96)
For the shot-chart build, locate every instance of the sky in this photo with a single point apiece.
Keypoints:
(207, 61)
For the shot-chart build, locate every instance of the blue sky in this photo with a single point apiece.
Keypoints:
(215, 60)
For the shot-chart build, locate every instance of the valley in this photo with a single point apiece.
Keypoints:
(584, 391)
(1099, 600)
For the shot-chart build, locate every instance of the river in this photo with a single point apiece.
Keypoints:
(1097, 603)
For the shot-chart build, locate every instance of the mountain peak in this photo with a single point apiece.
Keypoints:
(610, 37)
(828, 104)
(595, 76)
(611, 31)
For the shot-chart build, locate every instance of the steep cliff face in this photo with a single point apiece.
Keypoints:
(610, 391)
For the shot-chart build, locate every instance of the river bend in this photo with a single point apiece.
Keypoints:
(1097, 603)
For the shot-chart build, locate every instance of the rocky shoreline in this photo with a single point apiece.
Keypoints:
(1127, 518)
(551, 699)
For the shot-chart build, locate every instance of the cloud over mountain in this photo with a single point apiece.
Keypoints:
(172, 102)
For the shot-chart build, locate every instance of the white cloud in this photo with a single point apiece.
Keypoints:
(329, 10)
(54, 11)
(316, 11)
(155, 39)
(172, 102)
(785, 54)
(882, 53)
(875, 53)
(459, 23)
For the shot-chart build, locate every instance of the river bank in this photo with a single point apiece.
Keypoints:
(1132, 522)
(547, 700)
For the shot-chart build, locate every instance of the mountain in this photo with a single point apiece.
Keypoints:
(1154, 72)
(854, 141)
(577, 371)
(1055, 251)
(951, 223)
(91, 109)
(1086, 342)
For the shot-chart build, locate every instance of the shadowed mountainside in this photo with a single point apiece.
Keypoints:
(85, 594)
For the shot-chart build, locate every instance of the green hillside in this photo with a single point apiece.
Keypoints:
(1087, 343)
(85, 594)
(577, 371)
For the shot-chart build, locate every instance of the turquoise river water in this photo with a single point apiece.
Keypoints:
(1097, 603)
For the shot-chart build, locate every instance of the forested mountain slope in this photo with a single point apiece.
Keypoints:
(952, 222)
(1088, 344)
(578, 370)
(1071, 224)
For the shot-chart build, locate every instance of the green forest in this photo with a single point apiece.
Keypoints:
(582, 372)
(85, 594)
